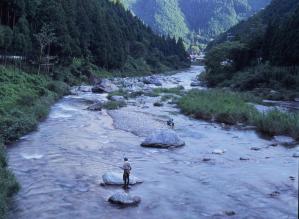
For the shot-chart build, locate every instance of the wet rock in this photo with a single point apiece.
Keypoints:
(292, 178)
(230, 213)
(105, 86)
(163, 139)
(274, 194)
(96, 107)
(244, 158)
(284, 140)
(124, 199)
(112, 178)
(255, 148)
(206, 159)
(152, 80)
(274, 145)
(158, 104)
(84, 89)
(118, 98)
(218, 151)
(195, 84)
(296, 154)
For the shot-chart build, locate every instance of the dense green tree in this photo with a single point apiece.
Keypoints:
(100, 31)
(205, 18)
(263, 51)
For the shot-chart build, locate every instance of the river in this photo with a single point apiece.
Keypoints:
(60, 165)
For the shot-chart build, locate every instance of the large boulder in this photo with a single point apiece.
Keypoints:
(105, 86)
(124, 199)
(152, 80)
(112, 178)
(163, 139)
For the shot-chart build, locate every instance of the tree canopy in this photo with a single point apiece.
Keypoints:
(100, 31)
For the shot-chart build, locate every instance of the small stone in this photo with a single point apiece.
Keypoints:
(296, 154)
(230, 213)
(255, 149)
(274, 145)
(158, 104)
(118, 98)
(292, 178)
(275, 194)
(244, 158)
(206, 159)
(218, 151)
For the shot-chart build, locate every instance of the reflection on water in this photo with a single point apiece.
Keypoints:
(59, 167)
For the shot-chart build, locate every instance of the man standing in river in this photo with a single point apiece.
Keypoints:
(127, 169)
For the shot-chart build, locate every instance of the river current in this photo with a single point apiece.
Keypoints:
(59, 166)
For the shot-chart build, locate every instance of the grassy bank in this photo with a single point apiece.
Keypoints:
(233, 108)
(8, 183)
(25, 99)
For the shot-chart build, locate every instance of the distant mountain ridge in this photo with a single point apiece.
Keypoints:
(260, 54)
(191, 19)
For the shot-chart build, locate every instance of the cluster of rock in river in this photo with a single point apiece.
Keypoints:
(162, 138)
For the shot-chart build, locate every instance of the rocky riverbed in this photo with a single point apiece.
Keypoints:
(60, 166)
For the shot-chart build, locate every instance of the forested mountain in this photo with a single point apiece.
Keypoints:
(262, 52)
(99, 31)
(193, 20)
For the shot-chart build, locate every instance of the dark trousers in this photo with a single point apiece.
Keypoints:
(126, 178)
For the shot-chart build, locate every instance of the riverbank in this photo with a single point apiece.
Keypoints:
(233, 108)
(25, 100)
(8, 183)
(60, 165)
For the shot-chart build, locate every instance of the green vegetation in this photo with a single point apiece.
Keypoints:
(233, 108)
(8, 183)
(278, 123)
(193, 20)
(259, 55)
(101, 32)
(221, 106)
(24, 100)
(113, 105)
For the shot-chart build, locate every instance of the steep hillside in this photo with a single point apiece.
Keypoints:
(193, 20)
(259, 53)
(97, 30)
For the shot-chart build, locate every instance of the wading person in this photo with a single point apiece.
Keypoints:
(127, 169)
(170, 123)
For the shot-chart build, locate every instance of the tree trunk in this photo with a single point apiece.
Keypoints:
(40, 59)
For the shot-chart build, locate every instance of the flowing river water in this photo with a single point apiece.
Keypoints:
(60, 165)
